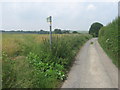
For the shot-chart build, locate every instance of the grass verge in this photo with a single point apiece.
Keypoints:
(36, 65)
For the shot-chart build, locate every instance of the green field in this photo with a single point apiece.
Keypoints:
(108, 38)
(28, 61)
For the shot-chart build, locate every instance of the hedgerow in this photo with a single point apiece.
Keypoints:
(109, 40)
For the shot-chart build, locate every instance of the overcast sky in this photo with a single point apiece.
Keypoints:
(66, 15)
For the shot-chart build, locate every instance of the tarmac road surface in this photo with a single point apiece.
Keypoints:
(92, 69)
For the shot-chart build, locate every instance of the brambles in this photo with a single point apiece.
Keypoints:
(35, 64)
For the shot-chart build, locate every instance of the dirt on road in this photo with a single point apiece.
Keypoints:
(92, 69)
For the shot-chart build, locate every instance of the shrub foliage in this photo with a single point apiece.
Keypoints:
(108, 39)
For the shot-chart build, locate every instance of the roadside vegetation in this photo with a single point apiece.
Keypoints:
(108, 39)
(28, 61)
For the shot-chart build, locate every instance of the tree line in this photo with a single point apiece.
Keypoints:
(94, 30)
(56, 31)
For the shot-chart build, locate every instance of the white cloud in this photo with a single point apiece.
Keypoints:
(91, 7)
(74, 16)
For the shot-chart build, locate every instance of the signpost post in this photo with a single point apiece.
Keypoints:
(49, 20)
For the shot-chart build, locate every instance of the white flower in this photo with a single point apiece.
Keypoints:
(107, 40)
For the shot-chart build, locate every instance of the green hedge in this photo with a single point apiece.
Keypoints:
(108, 39)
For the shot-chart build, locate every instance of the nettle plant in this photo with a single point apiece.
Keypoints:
(53, 70)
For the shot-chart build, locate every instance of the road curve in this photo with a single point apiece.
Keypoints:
(92, 69)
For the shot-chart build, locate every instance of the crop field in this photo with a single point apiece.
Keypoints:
(28, 61)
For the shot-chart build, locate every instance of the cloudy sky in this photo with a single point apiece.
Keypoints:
(66, 15)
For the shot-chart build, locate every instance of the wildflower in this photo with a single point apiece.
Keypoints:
(107, 40)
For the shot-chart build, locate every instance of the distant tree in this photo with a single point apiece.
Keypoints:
(2, 30)
(94, 29)
(43, 32)
(57, 31)
(74, 32)
(65, 31)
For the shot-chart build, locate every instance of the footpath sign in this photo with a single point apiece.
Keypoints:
(49, 20)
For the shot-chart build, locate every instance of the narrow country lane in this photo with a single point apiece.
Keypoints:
(92, 69)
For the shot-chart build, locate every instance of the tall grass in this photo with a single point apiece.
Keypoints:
(33, 64)
(108, 39)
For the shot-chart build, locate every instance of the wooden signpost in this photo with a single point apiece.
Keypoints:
(49, 20)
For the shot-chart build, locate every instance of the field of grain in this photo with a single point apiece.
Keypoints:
(28, 60)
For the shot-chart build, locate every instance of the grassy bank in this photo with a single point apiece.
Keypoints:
(28, 60)
(108, 39)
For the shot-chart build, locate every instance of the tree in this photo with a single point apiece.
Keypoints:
(65, 31)
(94, 29)
(43, 32)
(57, 31)
(74, 32)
